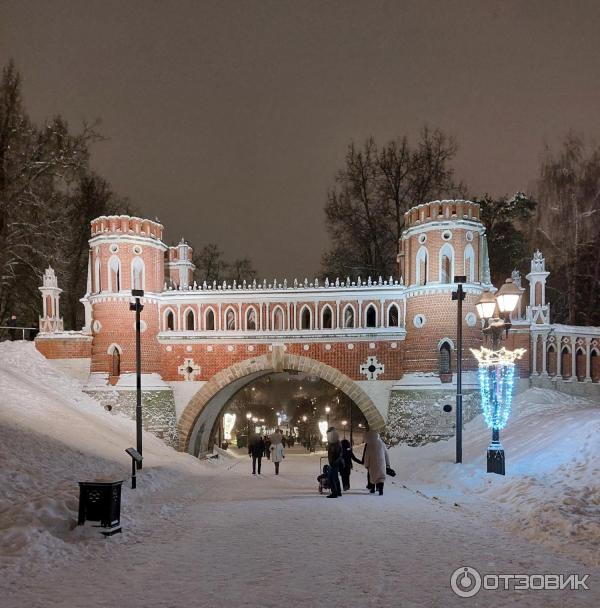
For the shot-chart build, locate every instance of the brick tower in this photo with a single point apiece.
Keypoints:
(126, 253)
(441, 240)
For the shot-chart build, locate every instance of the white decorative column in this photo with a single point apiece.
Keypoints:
(534, 354)
(559, 356)
(51, 320)
(588, 360)
(545, 355)
(573, 359)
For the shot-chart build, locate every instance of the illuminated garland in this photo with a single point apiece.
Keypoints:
(496, 380)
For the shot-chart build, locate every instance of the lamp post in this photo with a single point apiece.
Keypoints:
(138, 307)
(344, 423)
(459, 296)
(248, 418)
(496, 367)
(327, 410)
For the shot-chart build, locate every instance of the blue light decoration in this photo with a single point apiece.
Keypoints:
(496, 388)
(496, 380)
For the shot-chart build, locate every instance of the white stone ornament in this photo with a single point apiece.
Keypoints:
(189, 370)
(471, 319)
(372, 368)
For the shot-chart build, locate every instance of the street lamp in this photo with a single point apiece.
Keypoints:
(137, 306)
(344, 423)
(248, 418)
(459, 296)
(327, 410)
(497, 367)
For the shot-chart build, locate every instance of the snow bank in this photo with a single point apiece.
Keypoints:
(53, 435)
(551, 491)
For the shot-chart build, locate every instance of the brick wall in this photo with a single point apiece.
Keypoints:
(214, 358)
(64, 348)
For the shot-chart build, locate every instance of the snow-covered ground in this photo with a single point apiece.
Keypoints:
(210, 534)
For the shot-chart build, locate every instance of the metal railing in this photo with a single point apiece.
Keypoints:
(9, 332)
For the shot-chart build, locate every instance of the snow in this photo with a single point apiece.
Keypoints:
(211, 534)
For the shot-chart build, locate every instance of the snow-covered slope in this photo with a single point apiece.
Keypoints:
(551, 491)
(53, 435)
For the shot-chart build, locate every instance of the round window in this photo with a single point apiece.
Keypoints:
(114, 248)
(137, 249)
(471, 319)
(419, 320)
(469, 236)
(446, 235)
(422, 238)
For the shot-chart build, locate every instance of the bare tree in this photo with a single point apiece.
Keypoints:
(365, 209)
(567, 227)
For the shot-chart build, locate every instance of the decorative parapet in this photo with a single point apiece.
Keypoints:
(285, 285)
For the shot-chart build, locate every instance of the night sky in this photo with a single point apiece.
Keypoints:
(228, 120)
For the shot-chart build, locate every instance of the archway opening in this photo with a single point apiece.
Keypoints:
(198, 424)
(302, 405)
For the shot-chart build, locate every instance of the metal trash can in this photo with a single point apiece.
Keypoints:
(101, 501)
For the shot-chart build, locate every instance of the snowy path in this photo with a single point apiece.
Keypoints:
(237, 540)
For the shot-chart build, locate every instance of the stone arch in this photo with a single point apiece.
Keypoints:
(199, 417)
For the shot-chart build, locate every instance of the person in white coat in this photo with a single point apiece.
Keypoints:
(277, 453)
(376, 461)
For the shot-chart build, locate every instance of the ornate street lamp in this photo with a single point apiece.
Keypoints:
(497, 367)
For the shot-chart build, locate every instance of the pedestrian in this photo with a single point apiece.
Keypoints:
(283, 439)
(347, 457)
(277, 452)
(12, 323)
(376, 461)
(256, 449)
(335, 459)
(267, 448)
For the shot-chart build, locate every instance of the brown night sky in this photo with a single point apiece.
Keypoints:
(228, 120)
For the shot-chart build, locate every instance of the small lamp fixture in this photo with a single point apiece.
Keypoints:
(486, 306)
(248, 415)
(508, 297)
(327, 409)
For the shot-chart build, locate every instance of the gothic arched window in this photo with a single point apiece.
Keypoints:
(278, 319)
(190, 320)
(327, 318)
(348, 317)
(115, 362)
(209, 320)
(469, 263)
(170, 320)
(251, 319)
(305, 318)
(114, 274)
(230, 319)
(137, 274)
(422, 269)
(393, 316)
(446, 264)
(371, 316)
(445, 362)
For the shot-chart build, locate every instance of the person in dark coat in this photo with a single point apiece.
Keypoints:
(256, 449)
(335, 459)
(267, 448)
(12, 323)
(347, 457)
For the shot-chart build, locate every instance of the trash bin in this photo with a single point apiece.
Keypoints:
(101, 501)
